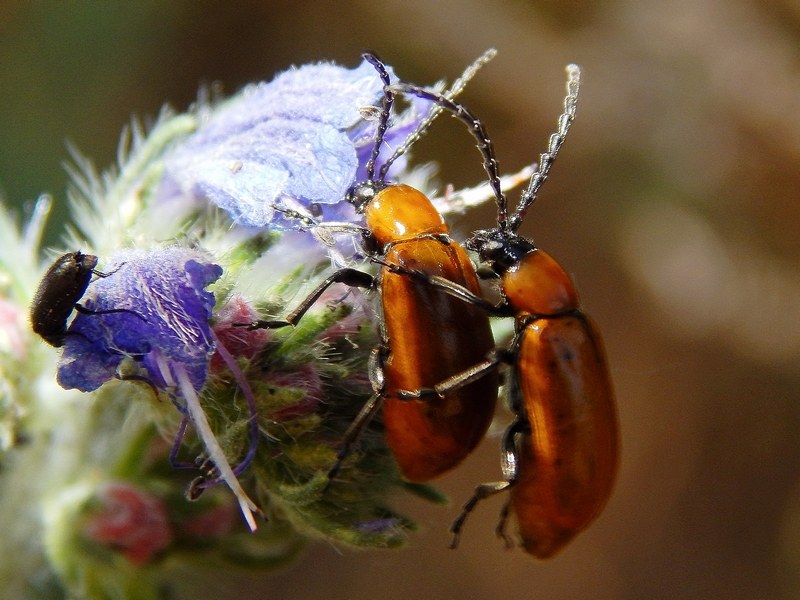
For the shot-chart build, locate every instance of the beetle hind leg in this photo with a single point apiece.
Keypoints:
(500, 530)
(483, 491)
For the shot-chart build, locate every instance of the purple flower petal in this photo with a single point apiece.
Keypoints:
(301, 137)
(166, 315)
(247, 174)
(322, 92)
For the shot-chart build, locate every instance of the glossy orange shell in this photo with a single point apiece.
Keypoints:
(400, 212)
(432, 336)
(538, 285)
(569, 462)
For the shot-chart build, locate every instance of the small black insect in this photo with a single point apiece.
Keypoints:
(58, 294)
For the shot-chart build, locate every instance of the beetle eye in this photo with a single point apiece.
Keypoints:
(361, 193)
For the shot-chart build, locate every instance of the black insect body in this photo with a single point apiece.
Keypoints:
(58, 295)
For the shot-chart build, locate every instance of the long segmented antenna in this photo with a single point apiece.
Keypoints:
(457, 87)
(478, 131)
(554, 145)
(386, 109)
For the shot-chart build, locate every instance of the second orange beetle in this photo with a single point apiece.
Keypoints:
(560, 453)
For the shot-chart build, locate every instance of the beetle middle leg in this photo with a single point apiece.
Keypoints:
(352, 278)
(456, 381)
(365, 415)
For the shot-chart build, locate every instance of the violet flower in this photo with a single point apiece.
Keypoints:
(299, 140)
(164, 327)
(166, 321)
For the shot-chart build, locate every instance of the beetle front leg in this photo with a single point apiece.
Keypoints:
(445, 285)
(351, 277)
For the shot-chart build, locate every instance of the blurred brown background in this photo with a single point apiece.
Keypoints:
(674, 204)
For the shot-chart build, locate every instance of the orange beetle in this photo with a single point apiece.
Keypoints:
(560, 453)
(427, 335)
